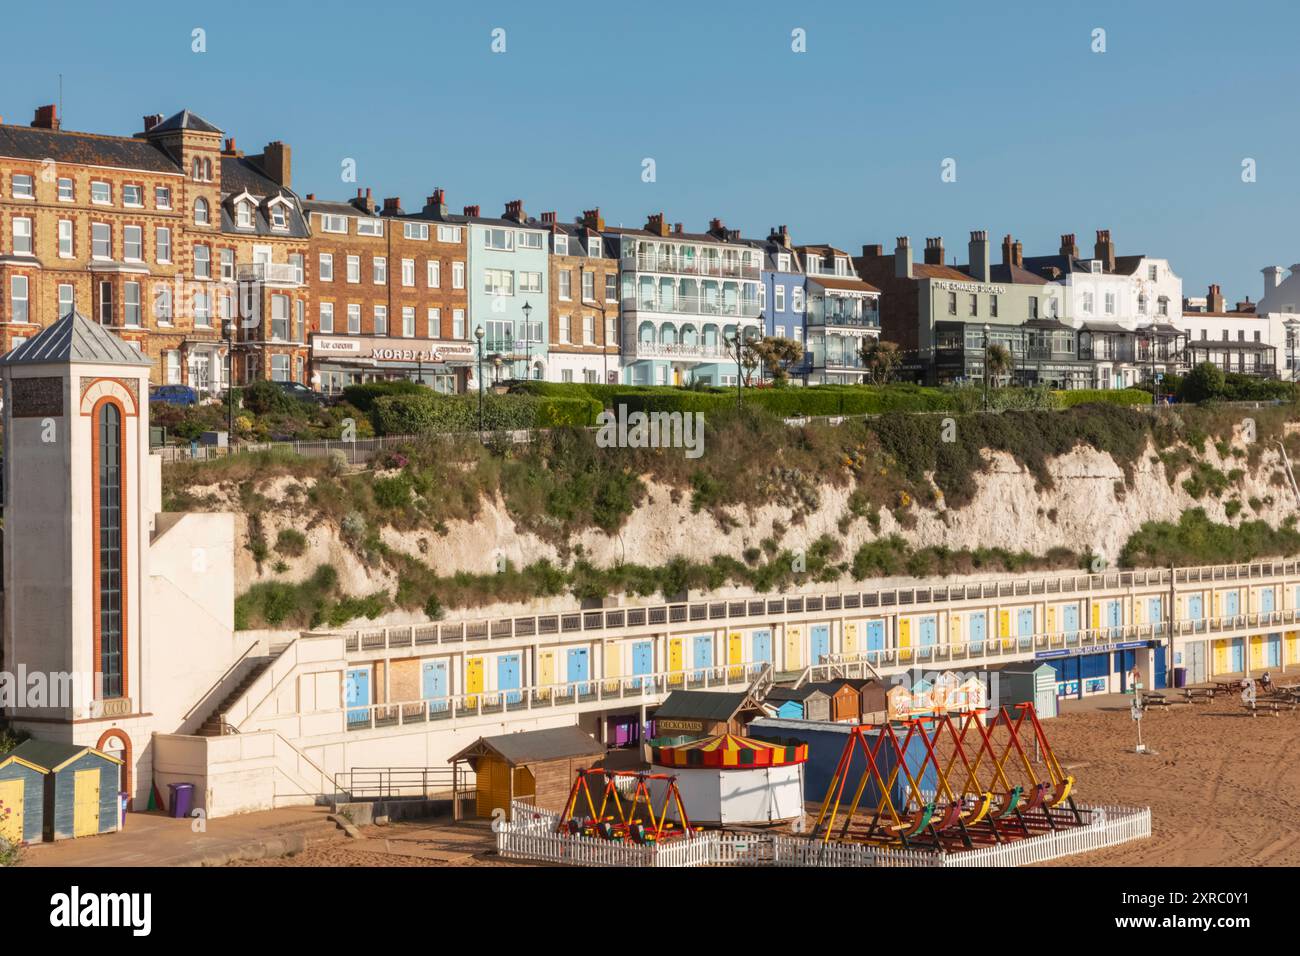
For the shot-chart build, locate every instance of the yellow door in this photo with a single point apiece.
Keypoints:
(793, 648)
(1257, 652)
(546, 672)
(850, 639)
(1137, 610)
(85, 796)
(1096, 616)
(904, 638)
(1218, 605)
(493, 781)
(954, 631)
(1051, 619)
(473, 680)
(1004, 628)
(1222, 658)
(675, 654)
(613, 663)
(735, 655)
(11, 810)
(1293, 647)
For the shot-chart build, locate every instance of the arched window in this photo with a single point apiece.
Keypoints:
(207, 170)
(201, 212)
(108, 541)
(196, 173)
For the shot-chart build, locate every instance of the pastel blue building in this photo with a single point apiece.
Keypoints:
(784, 296)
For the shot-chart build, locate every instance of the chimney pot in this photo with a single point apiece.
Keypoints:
(903, 258)
(980, 266)
(47, 117)
(472, 212)
(934, 251)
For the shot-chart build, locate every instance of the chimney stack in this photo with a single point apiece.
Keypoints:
(437, 203)
(152, 120)
(392, 206)
(1214, 300)
(903, 258)
(934, 251)
(47, 117)
(1069, 247)
(678, 229)
(548, 218)
(980, 266)
(275, 162)
(655, 223)
(364, 201)
(779, 235)
(515, 210)
(716, 228)
(472, 212)
(1013, 252)
(592, 219)
(873, 251)
(1105, 250)
(1272, 278)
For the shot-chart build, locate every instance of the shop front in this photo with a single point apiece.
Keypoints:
(341, 360)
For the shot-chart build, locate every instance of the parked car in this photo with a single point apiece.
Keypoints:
(174, 395)
(302, 393)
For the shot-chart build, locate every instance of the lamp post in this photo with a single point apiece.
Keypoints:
(987, 329)
(478, 334)
(230, 380)
(528, 345)
(733, 341)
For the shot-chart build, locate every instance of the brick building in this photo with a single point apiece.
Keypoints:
(389, 294)
(157, 236)
(584, 307)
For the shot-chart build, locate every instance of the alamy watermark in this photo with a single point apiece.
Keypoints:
(621, 429)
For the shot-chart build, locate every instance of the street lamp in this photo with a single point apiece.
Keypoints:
(987, 328)
(528, 345)
(733, 341)
(478, 334)
(1292, 327)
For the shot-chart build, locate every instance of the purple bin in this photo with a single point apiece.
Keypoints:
(182, 798)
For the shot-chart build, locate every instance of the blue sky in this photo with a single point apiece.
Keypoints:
(843, 142)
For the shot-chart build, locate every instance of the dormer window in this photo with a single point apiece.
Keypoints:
(593, 247)
(278, 218)
(201, 216)
(841, 266)
(244, 215)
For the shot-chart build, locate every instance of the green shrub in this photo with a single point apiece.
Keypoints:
(267, 398)
(1111, 396)
(291, 543)
(431, 413)
(363, 396)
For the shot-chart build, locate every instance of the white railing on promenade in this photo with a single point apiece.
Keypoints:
(531, 835)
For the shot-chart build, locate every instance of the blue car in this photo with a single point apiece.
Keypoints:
(174, 395)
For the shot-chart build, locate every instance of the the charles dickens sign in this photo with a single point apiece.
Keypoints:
(948, 286)
(379, 350)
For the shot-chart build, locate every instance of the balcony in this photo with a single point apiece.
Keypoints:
(279, 273)
(691, 305)
(693, 352)
(689, 266)
(846, 320)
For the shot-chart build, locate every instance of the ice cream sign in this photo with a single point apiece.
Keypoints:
(378, 349)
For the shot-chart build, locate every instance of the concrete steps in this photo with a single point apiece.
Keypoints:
(214, 725)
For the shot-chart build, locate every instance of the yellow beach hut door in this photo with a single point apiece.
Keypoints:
(675, 660)
(11, 810)
(735, 655)
(793, 648)
(85, 801)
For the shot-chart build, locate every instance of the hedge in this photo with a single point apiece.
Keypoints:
(428, 411)
(1110, 396)
(362, 397)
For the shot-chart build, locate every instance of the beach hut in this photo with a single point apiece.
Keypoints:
(799, 703)
(22, 801)
(705, 713)
(873, 704)
(79, 792)
(535, 766)
(1024, 681)
(730, 780)
(843, 699)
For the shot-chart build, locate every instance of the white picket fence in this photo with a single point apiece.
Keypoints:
(531, 835)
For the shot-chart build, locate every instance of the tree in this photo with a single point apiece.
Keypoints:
(1204, 381)
(882, 360)
(998, 363)
(777, 355)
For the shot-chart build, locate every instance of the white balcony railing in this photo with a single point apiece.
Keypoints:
(269, 272)
(697, 266)
(677, 350)
(691, 305)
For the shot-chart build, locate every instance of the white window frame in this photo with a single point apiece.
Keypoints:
(93, 242)
(325, 267)
(458, 275)
(325, 316)
(408, 273)
(139, 193)
(433, 273)
(71, 190)
(419, 231)
(379, 269)
(162, 238)
(126, 243)
(353, 267)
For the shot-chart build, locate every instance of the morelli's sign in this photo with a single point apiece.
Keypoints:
(379, 350)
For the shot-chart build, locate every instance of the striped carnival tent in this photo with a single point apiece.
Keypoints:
(730, 750)
(734, 780)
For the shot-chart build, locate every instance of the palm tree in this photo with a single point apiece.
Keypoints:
(998, 363)
(882, 360)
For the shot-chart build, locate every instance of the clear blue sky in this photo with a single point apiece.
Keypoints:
(843, 143)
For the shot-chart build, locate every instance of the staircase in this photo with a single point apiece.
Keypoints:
(216, 725)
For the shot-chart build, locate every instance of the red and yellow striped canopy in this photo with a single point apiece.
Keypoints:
(730, 751)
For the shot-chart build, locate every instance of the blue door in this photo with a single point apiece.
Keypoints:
(821, 642)
(433, 684)
(508, 677)
(1123, 663)
(357, 694)
(1273, 650)
(875, 639)
(928, 637)
(1195, 607)
(1025, 628)
(703, 654)
(1070, 623)
(1155, 610)
(643, 656)
(579, 668)
(1237, 658)
(1114, 617)
(1232, 603)
(979, 625)
(1159, 677)
(1266, 600)
(763, 646)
